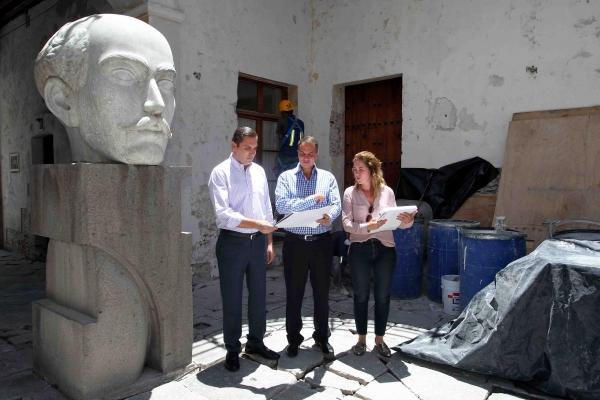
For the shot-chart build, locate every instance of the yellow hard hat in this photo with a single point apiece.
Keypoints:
(286, 105)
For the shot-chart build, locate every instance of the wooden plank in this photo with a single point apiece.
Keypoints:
(570, 112)
(550, 171)
(479, 207)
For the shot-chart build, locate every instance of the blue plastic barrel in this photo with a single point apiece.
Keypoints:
(486, 251)
(406, 283)
(442, 252)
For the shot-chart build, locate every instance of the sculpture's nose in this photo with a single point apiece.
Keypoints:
(154, 103)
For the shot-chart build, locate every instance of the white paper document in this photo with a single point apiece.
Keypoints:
(300, 219)
(390, 214)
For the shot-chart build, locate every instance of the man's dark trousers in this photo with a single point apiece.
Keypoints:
(299, 258)
(237, 256)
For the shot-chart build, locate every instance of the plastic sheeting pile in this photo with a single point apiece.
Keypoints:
(447, 188)
(539, 322)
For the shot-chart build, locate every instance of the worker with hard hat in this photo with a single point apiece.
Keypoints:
(290, 129)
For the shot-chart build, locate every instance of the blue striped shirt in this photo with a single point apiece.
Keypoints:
(293, 191)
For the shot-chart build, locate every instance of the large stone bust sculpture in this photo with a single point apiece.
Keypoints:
(110, 80)
(117, 317)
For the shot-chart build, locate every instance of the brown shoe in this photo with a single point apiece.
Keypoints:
(383, 350)
(359, 348)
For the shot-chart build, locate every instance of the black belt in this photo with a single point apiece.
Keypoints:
(309, 238)
(250, 236)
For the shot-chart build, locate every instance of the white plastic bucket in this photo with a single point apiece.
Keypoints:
(451, 294)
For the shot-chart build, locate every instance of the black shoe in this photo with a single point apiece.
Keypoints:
(326, 349)
(292, 350)
(232, 361)
(262, 351)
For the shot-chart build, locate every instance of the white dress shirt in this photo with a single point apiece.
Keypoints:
(238, 193)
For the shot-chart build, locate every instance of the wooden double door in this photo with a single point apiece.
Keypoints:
(373, 122)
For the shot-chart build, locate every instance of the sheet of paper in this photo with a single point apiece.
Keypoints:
(306, 218)
(390, 214)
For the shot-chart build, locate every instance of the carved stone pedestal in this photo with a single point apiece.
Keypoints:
(118, 314)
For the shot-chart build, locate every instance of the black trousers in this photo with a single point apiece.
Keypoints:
(238, 258)
(301, 258)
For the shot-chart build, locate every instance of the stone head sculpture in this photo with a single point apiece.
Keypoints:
(110, 80)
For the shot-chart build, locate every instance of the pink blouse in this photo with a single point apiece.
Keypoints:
(355, 208)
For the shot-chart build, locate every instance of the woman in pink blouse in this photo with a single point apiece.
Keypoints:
(370, 251)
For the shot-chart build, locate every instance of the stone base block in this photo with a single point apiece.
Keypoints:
(68, 351)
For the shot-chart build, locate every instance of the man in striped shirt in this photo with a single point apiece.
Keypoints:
(308, 249)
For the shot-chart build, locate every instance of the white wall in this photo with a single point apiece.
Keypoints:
(461, 54)
(463, 66)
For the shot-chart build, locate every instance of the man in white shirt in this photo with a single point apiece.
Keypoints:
(240, 194)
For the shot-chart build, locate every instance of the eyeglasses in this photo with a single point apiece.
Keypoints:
(370, 217)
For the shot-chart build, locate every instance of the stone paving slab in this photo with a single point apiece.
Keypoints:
(27, 386)
(4, 346)
(276, 340)
(20, 339)
(169, 391)
(261, 360)
(207, 298)
(342, 340)
(206, 327)
(252, 381)
(504, 396)
(14, 362)
(303, 391)
(388, 387)
(448, 386)
(324, 378)
(206, 353)
(274, 324)
(276, 313)
(363, 368)
(307, 359)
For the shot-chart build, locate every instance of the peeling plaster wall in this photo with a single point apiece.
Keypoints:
(217, 40)
(463, 64)
(466, 67)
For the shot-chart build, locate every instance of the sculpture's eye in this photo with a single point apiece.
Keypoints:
(123, 76)
(166, 85)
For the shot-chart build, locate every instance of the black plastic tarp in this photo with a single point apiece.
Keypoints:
(447, 188)
(539, 322)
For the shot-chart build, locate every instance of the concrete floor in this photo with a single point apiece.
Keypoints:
(307, 376)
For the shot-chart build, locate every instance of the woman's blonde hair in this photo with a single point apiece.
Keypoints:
(374, 165)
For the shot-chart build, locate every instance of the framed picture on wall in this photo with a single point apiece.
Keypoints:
(13, 160)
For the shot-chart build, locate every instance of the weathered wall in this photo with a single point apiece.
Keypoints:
(21, 105)
(463, 64)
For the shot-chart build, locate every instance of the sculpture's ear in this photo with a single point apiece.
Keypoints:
(61, 101)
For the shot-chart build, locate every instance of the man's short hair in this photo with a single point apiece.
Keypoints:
(65, 55)
(309, 140)
(241, 133)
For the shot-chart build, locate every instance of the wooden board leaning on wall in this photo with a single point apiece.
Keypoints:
(551, 170)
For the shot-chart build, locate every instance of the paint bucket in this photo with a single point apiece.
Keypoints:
(586, 233)
(451, 294)
(442, 252)
(592, 235)
(406, 282)
(484, 252)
